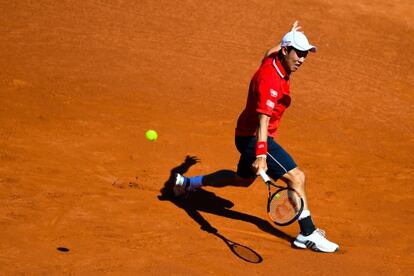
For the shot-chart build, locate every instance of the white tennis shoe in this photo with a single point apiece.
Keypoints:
(316, 241)
(179, 185)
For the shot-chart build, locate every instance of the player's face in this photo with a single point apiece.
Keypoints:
(294, 59)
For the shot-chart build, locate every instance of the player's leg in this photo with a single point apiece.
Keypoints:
(244, 176)
(281, 166)
(295, 178)
(220, 178)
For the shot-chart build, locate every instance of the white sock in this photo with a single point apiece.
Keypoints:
(304, 214)
(195, 182)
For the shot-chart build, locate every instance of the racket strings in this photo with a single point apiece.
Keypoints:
(284, 206)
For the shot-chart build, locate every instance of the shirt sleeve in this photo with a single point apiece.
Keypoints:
(267, 96)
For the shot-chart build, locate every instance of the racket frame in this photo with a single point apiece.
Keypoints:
(269, 182)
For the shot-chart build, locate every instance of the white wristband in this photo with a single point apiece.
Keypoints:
(261, 155)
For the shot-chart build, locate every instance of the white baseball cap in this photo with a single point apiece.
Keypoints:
(298, 41)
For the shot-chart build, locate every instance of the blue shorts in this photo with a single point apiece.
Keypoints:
(277, 166)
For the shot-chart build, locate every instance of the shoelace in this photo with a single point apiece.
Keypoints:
(321, 232)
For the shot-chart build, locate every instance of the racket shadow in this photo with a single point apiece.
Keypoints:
(205, 201)
(243, 252)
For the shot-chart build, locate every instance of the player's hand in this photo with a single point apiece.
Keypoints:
(296, 27)
(259, 164)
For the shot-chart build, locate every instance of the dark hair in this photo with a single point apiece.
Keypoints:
(280, 55)
(289, 48)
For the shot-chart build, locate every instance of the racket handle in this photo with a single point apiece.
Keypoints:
(264, 176)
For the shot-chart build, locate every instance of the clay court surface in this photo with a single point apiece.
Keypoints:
(81, 82)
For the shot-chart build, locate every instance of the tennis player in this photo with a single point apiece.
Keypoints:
(268, 97)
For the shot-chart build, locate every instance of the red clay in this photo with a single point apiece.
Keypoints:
(80, 84)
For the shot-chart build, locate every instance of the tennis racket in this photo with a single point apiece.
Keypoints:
(283, 206)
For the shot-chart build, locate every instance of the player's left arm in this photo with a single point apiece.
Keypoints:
(276, 48)
(272, 50)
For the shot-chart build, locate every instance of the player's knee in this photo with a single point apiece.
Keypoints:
(300, 176)
(296, 177)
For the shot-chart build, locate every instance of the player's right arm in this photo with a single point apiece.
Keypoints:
(260, 162)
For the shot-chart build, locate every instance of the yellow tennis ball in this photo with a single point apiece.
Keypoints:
(151, 135)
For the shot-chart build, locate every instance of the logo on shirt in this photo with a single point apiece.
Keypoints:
(273, 93)
(270, 104)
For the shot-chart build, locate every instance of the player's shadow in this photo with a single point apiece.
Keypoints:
(208, 202)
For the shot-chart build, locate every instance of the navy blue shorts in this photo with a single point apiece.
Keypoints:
(277, 166)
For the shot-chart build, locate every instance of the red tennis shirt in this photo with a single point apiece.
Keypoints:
(268, 94)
